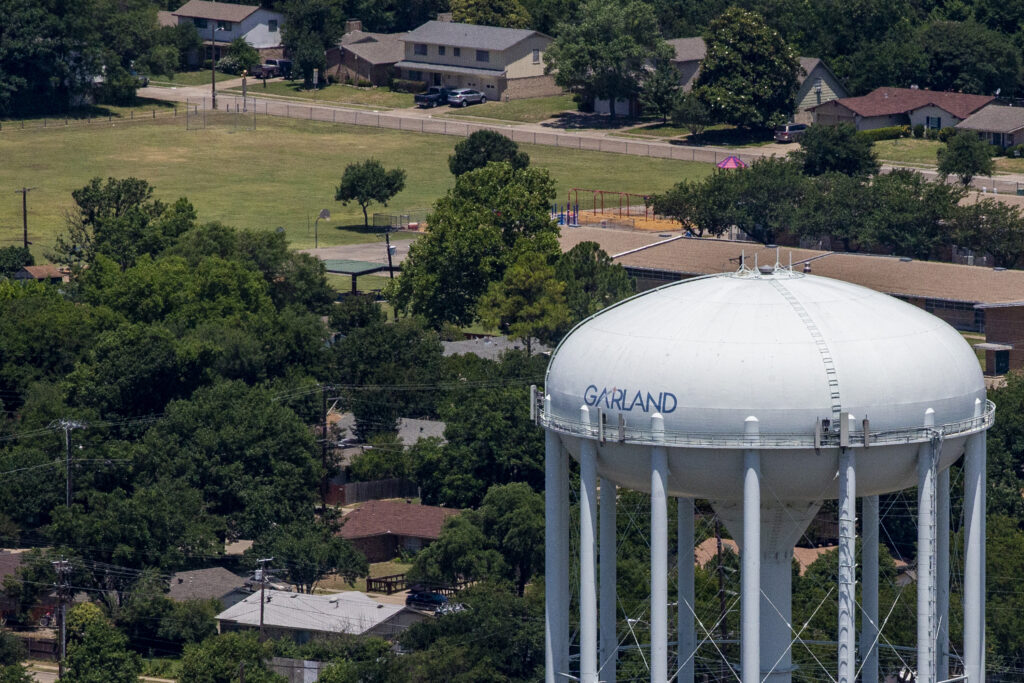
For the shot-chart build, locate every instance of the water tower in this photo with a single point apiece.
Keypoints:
(764, 391)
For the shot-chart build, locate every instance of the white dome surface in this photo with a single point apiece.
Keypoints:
(709, 352)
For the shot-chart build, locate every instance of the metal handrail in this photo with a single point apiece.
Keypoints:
(646, 437)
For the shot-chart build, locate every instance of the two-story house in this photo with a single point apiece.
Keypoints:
(219, 23)
(502, 63)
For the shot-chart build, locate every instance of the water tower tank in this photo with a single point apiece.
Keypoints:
(769, 384)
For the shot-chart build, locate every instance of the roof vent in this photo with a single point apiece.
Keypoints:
(999, 269)
(915, 87)
(807, 267)
(766, 270)
(905, 259)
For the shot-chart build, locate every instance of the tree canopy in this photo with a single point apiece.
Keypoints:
(368, 182)
(308, 551)
(482, 147)
(504, 13)
(966, 155)
(836, 149)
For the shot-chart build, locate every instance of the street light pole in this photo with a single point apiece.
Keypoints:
(24, 212)
(324, 215)
(213, 63)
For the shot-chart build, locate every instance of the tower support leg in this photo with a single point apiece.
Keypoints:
(974, 555)
(588, 559)
(609, 641)
(942, 575)
(869, 591)
(686, 638)
(926, 557)
(556, 561)
(847, 565)
(750, 556)
(659, 555)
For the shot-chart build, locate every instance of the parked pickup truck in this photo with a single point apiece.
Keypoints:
(434, 96)
(265, 71)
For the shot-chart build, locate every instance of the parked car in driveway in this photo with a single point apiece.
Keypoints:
(267, 70)
(426, 600)
(465, 96)
(791, 132)
(433, 97)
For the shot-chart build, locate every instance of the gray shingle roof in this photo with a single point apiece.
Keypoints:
(995, 119)
(468, 35)
(688, 49)
(202, 584)
(215, 11)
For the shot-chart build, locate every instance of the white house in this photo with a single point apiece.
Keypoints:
(219, 23)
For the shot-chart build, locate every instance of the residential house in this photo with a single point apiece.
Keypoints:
(380, 528)
(219, 23)
(502, 63)
(900, 107)
(303, 617)
(997, 125)
(44, 273)
(362, 55)
(817, 82)
(706, 552)
(491, 348)
(213, 583)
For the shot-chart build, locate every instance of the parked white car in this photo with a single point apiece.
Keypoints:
(465, 96)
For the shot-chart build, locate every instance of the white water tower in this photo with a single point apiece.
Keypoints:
(766, 392)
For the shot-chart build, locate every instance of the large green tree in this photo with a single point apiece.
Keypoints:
(367, 182)
(602, 53)
(473, 230)
(482, 147)
(749, 75)
(993, 227)
(909, 216)
(965, 155)
(309, 28)
(592, 280)
(226, 658)
(836, 149)
(660, 90)
(97, 652)
(505, 13)
(310, 550)
(528, 302)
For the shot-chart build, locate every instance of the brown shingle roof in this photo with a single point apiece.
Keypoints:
(165, 18)
(891, 275)
(216, 11)
(379, 517)
(890, 101)
(995, 119)
(378, 48)
(44, 272)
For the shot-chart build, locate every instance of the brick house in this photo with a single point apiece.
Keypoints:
(362, 55)
(219, 23)
(997, 125)
(502, 63)
(380, 528)
(885, 107)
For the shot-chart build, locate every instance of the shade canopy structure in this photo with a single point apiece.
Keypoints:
(352, 268)
(732, 161)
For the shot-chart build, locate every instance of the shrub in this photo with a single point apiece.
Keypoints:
(1015, 151)
(363, 83)
(946, 133)
(402, 85)
(995, 151)
(932, 134)
(919, 130)
(888, 133)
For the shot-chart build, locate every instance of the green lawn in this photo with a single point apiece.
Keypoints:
(1009, 165)
(280, 174)
(532, 110)
(908, 151)
(187, 78)
(336, 93)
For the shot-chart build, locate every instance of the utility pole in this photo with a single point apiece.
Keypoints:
(213, 63)
(68, 426)
(387, 240)
(323, 444)
(24, 213)
(261, 575)
(63, 587)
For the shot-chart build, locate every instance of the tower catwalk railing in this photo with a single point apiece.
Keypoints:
(608, 430)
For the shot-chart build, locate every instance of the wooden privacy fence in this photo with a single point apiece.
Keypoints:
(361, 491)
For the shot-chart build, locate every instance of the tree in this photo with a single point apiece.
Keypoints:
(836, 207)
(704, 206)
(592, 280)
(749, 75)
(353, 312)
(473, 230)
(482, 147)
(503, 540)
(836, 149)
(993, 227)
(768, 194)
(660, 89)
(310, 550)
(377, 362)
(908, 215)
(97, 652)
(603, 53)
(221, 658)
(965, 155)
(505, 13)
(965, 56)
(241, 57)
(528, 302)
(690, 112)
(367, 182)
(309, 28)
(13, 259)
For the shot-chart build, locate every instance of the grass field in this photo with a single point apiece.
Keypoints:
(909, 151)
(281, 174)
(187, 78)
(531, 110)
(336, 93)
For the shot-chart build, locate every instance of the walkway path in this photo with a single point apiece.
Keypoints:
(422, 121)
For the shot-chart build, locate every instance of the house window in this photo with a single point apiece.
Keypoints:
(224, 26)
(440, 50)
(536, 56)
(199, 23)
(483, 56)
(415, 75)
(933, 122)
(457, 51)
(419, 49)
(272, 25)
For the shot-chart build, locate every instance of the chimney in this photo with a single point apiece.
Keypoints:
(445, 17)
(353, 25)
